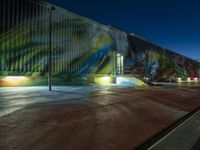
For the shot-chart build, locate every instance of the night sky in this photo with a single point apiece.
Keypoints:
(173, 24)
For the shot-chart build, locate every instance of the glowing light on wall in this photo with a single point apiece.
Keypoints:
(196, 79)
(15, 80)
(106, 79)
(103, 80)
(179, 80)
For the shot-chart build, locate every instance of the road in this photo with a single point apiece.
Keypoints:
(89, 117)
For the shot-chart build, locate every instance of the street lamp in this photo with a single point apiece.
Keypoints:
(51, 9)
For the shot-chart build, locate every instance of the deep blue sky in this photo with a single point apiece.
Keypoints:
(173, 24)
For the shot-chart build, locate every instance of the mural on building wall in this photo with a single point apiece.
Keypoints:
(148, 61)
(80, 47)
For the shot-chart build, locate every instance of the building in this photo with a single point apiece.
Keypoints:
(82, 49)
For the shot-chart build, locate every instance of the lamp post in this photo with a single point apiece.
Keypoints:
(51, 9)
(198, 60)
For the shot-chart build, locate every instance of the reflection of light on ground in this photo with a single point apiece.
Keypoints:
(124, 82)
(16, 98)
(9, 111)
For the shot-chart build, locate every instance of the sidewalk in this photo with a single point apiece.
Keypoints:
(184, 137)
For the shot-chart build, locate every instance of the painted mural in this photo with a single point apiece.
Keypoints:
(81, 48)
(150, 62)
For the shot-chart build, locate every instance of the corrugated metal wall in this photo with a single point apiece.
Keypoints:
(79, 45)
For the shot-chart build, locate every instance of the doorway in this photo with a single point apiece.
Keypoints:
(120, 64)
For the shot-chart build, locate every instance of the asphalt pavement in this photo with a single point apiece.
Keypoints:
(89, 117)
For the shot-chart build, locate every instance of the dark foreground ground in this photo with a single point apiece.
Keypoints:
(89, 118)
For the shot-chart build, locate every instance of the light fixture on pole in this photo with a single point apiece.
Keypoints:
(51, 9)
